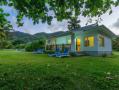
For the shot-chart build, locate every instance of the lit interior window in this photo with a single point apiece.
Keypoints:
(89, 41)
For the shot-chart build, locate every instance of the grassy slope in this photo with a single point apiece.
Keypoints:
(26, 71)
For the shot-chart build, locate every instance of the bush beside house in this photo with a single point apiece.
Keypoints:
(35, 45)
(116, 44)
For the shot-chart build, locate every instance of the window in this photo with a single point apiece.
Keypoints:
(69, 41)
(89, 41)
(101, 41)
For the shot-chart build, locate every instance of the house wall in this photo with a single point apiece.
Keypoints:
(107, 49)
(82, 35)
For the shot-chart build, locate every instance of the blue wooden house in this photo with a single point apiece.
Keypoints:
(92, 40)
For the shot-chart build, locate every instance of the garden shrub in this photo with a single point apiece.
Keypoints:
(29, 47)
(115, 44)
(73, 54)
(35, 45)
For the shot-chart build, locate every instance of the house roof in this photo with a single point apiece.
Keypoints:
(101, 29)
(89, 27)
(106, 31)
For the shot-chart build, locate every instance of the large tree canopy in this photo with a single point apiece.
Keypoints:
(61, 9)
(4, 24)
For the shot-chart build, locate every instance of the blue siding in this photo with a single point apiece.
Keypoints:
(82, 35)
(107, 44)
(107, 49)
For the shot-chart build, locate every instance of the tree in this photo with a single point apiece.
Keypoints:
(4, 44)
(5, 26)
(17, 42)
(115, 43)
(73, 24)
(62, 9)
(35, 45)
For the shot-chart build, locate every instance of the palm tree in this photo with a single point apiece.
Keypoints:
(73, 25)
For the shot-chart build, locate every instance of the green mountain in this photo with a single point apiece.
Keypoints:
(28, 37)
(20, 36)
(41, 35)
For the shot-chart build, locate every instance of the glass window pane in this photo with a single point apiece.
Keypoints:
(69, 41)
(89, 41)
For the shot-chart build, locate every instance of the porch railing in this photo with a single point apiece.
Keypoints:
(60, 46)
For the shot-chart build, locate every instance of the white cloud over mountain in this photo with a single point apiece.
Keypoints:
(116, 24)
(110, 21)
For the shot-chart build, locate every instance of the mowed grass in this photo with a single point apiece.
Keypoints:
(27, 71)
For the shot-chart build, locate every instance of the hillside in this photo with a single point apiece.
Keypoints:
(28, 37)
(40, 35)
(25, 36)
(20, 36)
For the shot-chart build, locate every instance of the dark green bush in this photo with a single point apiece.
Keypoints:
(115, 44)
(35, 45)
(73, 54)
(20, 46)
(29, 47)
(5, 44)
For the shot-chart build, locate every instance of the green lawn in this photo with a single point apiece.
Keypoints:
(27, 71)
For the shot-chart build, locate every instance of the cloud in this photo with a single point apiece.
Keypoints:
(116, 24)
(28, 27)
(58, 26)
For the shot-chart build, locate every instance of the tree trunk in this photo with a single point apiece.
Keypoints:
(72, 42)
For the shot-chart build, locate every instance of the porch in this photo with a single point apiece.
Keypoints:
(60, 46)
(76, 45)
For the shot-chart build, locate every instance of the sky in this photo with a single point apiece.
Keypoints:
(110, 21)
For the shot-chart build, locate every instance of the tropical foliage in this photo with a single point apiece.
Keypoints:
(5, 44)
(73, 23)
(5, 26)
(46, 10)
(116, 44)
(35, 45)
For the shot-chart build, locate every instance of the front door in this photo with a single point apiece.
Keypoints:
(78, 44)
